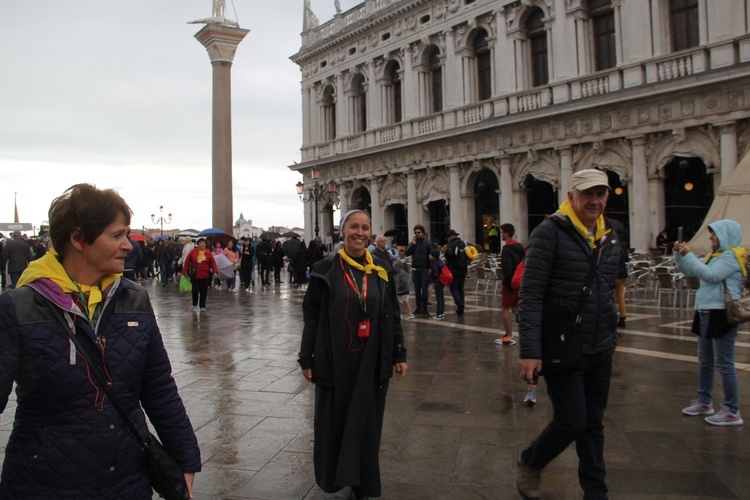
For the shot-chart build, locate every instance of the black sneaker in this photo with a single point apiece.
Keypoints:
(621, 322)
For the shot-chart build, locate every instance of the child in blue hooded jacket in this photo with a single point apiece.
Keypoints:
(725, 265)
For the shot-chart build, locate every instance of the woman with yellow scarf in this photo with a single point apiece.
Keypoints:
(68, 440)
(351, 341)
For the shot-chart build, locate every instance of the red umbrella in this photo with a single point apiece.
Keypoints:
(136, 237)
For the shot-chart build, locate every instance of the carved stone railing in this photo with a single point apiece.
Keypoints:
(325, 150)
(389, 134)
(684, 64)
(473, 115)
(353, 143)
(529, 101)
(426, 125)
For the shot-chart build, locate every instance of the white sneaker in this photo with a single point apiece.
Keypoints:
(196, 309)
(725, 417)
(203, 309)
(411, 316)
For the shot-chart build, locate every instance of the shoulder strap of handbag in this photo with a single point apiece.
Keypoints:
(84, 348)
(586, 290)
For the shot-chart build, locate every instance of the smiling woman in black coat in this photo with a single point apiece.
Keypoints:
(350, 294)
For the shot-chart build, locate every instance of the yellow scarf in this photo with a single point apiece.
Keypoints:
(739, 253)
(50, 268)
(566, 209)
(368, 267)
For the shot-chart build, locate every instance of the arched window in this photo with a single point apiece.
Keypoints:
(683, 17)
(603, 22)
(484, 66)
(394, 92)
(537, 35)
(328, 108)
(359, 104)
(436, 80)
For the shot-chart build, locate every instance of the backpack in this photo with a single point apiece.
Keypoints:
(515, 282)
(446, 276)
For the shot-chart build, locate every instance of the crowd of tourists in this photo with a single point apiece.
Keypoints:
(562, 286)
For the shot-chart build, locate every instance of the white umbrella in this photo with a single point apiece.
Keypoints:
(225, 266)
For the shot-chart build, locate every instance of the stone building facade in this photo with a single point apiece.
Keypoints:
(468, 113)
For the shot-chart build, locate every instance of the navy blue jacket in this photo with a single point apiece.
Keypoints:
(61, 445)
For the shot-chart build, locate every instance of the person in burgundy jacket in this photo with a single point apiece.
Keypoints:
(205, 266)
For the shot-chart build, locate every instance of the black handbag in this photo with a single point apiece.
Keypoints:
(167, 477)
(191, 270)
(561, 336)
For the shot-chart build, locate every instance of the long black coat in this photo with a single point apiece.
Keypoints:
(351, 376)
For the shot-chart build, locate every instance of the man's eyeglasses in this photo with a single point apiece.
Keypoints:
(417, 232)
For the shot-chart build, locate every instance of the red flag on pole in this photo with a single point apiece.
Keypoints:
(15, 198)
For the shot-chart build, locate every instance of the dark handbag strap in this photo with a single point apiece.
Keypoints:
(586, 290)
(84, 347)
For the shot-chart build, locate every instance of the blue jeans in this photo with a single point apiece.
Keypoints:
(421, 280)
(439, 287)
(579, 398)
(717, 354)
(457, 289)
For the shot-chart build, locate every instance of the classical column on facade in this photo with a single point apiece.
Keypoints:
(410, 92)
(412, 206)
(373, 101)
(221, 42)
(641, 226)
(503, 52)
(376, 217)
(343, 189)
(456, 203)
(309, 221)
(342, 110)
(507, 213)
(316, 135)
(452, 72)
(566, 172)
(306, 116)
(728, 149)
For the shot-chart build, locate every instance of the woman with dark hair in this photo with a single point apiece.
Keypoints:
(234, 257)
(202, 260)
(68, 440)
(299, 265)
(351, 341)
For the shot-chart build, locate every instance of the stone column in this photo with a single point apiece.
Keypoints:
(377, 211)
(221, 43)
(456, 208)
(343, 200)
(566, 172)
(638, 192)
(728, 149)
(412, 206)
(507, 213)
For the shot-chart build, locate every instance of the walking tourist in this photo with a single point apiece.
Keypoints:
(202, 260)
(570, 249)
(419, 250)
(724, 267)
(68, 440)
(510, 256)
(246, 263)
(351, 341)
(458, 263)
(17, 255)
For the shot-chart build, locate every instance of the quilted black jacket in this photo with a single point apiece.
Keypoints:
(61, 445)
(557, 262)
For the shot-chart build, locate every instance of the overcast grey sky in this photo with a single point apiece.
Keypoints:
(118, 93)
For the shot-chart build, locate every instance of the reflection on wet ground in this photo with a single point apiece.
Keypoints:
(454, 425)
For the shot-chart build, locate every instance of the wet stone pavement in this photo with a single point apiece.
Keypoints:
(454, 426)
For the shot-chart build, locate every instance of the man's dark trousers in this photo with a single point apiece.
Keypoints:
(421, 280)
(578, 398)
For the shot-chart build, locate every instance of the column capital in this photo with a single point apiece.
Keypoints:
(221, 41)
(728, 126)
(637, 140)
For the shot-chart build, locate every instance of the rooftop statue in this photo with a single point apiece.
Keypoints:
(309, 19)
(218, 15)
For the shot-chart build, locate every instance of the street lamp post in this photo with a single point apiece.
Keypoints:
(316, 193)
(161, 220)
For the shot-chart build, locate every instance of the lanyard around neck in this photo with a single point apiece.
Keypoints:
(361, 295)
